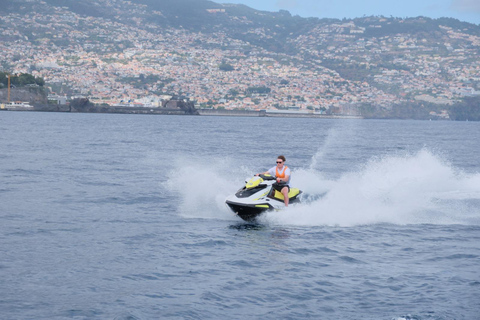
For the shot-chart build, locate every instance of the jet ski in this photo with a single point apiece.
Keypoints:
(258, 196)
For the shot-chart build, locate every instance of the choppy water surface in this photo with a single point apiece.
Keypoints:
(123, 217)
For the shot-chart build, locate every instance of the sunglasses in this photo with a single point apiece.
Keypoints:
(279, 161)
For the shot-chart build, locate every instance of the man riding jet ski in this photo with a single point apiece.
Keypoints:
(265, 191)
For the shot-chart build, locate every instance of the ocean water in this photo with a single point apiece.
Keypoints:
(108, 216)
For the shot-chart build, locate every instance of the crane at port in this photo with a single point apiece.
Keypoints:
(8, 94)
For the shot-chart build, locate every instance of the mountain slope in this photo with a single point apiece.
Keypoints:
(210, 52)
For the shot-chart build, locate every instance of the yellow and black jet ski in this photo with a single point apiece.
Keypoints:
(258, 196)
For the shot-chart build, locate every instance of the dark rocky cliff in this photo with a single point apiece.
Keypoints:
(187, 106)
(33, 95)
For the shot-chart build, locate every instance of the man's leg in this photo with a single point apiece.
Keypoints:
(285, 195)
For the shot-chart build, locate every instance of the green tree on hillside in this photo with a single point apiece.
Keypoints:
(226, 67)
(259, 90)
(467, 110)
(21, 80)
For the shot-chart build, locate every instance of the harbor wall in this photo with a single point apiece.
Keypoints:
(238, 113)
(263, 113)
(174, 111)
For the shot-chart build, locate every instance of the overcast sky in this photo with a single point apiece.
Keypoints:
(464, 10)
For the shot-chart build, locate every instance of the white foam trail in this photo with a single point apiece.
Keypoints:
(411, 189)
(399, 190)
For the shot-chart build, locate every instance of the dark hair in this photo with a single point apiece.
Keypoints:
(282, 157)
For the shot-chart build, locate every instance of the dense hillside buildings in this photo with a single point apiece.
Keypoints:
(341, 64)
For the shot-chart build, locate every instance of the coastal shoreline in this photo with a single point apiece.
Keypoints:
(263, 113)
(176, 111)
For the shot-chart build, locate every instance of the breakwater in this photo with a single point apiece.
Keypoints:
(112, 109)
(171, 111)
(263, 113)
(237, 113)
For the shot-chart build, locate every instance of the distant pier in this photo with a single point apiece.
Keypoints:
(264, 113)
(172, 111)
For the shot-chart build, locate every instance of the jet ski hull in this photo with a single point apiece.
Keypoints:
(248, 212)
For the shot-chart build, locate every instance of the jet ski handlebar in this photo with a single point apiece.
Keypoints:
(267, 177)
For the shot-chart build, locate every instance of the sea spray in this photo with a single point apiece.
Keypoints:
(399, 189)
(203, 184)
(336, 138)
(393, 189)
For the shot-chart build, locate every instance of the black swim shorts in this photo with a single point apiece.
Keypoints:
(279, 186)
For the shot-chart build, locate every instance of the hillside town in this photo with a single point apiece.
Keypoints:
(115, 63)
